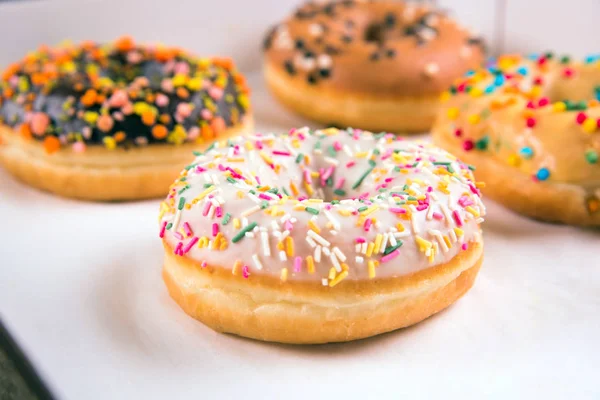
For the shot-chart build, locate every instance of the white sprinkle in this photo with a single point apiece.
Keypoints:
(359, 259)
(341, 256)
(347, 150)
(363, 250)
(479, 220)
(318, 254)
(274, 225)
(438, 235)
(315, 29)
(326, 251)
(249, 234)
(318, 238)
(400, 235)
(413, 223)
(257, 262)
(311, 242)
(430, 213)
(334, 233)
(211, 212)
(282, 256)
(264, 237)
(176, 221)
(393, 241)
(357, 247)
(335, 262)
(206, 177)
(332, 219)
(331, 161)
(324, 282)
(285, 234)
(285, 217)
(453, 238)
(431, 69)
(244, 221)
(447, 215)
(384, 243)
(253, 198)
(215, 179)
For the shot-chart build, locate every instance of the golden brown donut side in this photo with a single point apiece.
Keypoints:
(100, 174)
(295, 312)
(371, 112)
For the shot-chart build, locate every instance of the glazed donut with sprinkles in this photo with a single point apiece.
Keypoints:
(113, 122)
(377, 65)
(531, 126)
(320, 236)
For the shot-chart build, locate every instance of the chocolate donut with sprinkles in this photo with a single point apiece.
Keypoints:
(113, 122)
(320, 236)
(377, 65)
(531, 125)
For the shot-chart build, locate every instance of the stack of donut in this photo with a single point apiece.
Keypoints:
(531, 126)
(114, 122)
(373, 65)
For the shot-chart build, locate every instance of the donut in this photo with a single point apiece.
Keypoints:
(320, 236)
(113, 122)
(372, 65)
(531, 126)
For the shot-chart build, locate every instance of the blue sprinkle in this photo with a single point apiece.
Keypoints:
(489, 89)
(526, 152)
(543, 174)
(499, 81)
(470, 73)
(591, 58)
(522, 71)
(533, 57)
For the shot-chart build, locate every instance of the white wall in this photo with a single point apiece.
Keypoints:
(235, 27)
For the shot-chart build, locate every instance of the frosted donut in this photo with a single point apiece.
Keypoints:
(320, 236)
(112, 122)
(531, 126)
(373, 65)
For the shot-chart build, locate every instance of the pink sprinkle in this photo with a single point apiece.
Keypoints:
(302, 198)
(187, 229)
(387, 154)
(457, 219)
(191, 243)
(327, 173)
(297, 264)
(162, 230)
(367, 224)
(438, 216)
(568, 72)
(200, 169)
(245, 271)
(178, 249)
(422, 207)
(215, 229)
(473, 189)
(219, 212)
(464, 201)
(288, 225)
(337, 146)
(390, 256)
(351, 164)
(360, 239)
(464, 246)
(307, 177)
(206, 209)
(203, 264)
(340, 183)
(281, 153)
(264, 196)
(257, 180)
(259, 145)
(397, 210)
(178, 235)
(429, 189)
(388, 180)
(544, 101)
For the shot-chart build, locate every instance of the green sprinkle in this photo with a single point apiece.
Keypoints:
(207, 185)
(188, 167)
(285, 191)
(364, 208)
(471, 167)
(231, 180)
(450, 169)
(393, 248)
(335, 202)
(299, 158)
(181, 203)
(318, 145)
(186, 187)
(311, 210)
(591, 156)
(226, 219)
(441, 163)
(376, 152)
(565, 60)
(362, 178)
(264, 204)
(197, 153)
(329, 181)
(339, 192)
(372, 163)
(397, 169)
(331, 151)
(412, 198)
(482, 143)
(241, 233)
(169, 225)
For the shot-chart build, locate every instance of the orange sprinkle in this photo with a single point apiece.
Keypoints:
(124, 43)
(207, 132)
(148, 118)
(25, 131)
(289, 244)
(89, 98)
(120, 136)
(51, 144)
(159, 131)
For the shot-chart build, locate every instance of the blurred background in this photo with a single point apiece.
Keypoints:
(235, 27)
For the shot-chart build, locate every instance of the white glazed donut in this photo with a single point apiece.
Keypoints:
(320, 236)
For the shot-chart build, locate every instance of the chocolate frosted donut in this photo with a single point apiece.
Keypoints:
(375, 65)
(110, 122)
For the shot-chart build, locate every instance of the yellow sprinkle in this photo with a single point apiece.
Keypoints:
(249, 146)
(378, 240)
(216, 241)
(266, 158)
(361, 154)
(280, 245)
(345, 213)
(370, 249)
(203, 242)
(330, 131)
(445, 96)
(514, 160)
(476, 92)
(236, 267)
(400, 227)
(235, 159)
(474, 119)
(332, 273)
(447, 241)
(284, 274)
(559, 106)
(224, 245)
(371, 265)
(289, 246)
(424, 245)
(204, 193)
(236, 223)
(308, 188)
(315, 200)
(310, 264)
(479, 185)
(338, 278)
(472, 211)
(294, 189)
(458, 231)
(345, 267)
(370, 210)
(313, 226)
(589, 125)
(240, 194)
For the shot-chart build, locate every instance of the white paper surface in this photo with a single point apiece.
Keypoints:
(81, 290)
